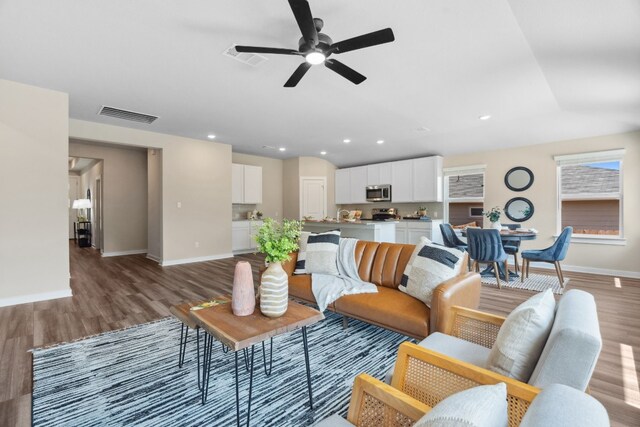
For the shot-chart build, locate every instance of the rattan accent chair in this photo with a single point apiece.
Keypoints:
(430, 377)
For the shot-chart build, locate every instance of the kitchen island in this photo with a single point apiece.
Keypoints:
(374, 231)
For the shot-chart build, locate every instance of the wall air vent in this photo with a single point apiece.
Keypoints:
(126, 115)
(252, 59)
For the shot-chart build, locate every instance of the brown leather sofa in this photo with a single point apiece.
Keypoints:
(383, 264)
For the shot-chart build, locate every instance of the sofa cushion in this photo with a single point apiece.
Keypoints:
(429, 266)
(302, 253)
(483, 406)
(322, 252)
(390, 309)
(300, 287)
(560, 405)
(522, 337)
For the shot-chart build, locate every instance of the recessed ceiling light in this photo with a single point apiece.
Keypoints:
(282, 149)
(323, 152)
(211, 136)
(380, 141)
(485, 117)
(346, 141)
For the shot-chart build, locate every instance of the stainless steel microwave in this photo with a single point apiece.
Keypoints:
(378, 193)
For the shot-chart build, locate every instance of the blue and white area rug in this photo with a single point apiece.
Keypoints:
(535, 282)
(130, 377)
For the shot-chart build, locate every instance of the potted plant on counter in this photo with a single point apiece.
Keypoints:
(276, 241)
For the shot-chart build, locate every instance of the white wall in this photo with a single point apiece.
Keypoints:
(124, 194)
(34, 251)
(196, 189)
(306, 166)
(543, 194)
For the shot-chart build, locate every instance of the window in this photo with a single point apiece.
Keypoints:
(464, 195)
(590, 194)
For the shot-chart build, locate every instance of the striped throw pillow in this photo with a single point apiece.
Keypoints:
(430, 265)
(302, 253)
(322, 252)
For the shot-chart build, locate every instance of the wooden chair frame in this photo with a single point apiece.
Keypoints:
(375, 403)
(430, 377)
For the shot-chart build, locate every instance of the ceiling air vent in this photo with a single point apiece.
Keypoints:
(248, 58)
(126, 115)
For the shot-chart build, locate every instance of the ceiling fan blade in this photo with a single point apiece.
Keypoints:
(297, 74)
(365, 40)
(302, 12)
(275, 50)
(348, 73)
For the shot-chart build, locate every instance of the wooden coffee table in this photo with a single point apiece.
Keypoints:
(241, 333)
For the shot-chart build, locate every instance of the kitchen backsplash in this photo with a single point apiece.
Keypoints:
(434, 209)
(240, 211)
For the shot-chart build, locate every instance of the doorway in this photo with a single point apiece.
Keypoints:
(97, 214)
(313, 197)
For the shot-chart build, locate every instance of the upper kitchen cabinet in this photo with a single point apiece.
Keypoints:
(427, 179)
(379, 174)
(246, 184)
(358, 185)
(343, 186)
(402, 181)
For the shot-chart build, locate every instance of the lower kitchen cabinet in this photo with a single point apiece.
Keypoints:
(242, 233)
(409, 232)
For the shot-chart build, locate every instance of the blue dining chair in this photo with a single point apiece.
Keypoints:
(512, 246)
(485, 247)
(553, 254)
(450, 239)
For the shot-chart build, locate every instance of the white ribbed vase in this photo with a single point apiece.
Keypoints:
(496, 225)
(274, 291)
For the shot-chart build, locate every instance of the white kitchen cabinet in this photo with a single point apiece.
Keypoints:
(402, 181)
(409, 232)
(379, 174)
(246, 184)
(401, 233)
(242, 233)
(427, 179)
(343, 186)
(358, 184)
(237, 183)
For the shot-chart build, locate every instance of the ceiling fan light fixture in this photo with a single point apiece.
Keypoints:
(315, 58)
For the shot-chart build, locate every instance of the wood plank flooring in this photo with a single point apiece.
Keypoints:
(112, 293)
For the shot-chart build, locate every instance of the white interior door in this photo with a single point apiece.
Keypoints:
(74, 189)
(313, 197)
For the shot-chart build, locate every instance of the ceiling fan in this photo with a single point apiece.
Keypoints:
(317, 47)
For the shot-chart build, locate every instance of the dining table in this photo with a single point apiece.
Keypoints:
(507, 236)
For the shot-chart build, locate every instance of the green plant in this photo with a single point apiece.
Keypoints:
(493, 214)
(277, 240)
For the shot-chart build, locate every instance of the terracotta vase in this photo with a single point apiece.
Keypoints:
(274, 291)
(243, 298)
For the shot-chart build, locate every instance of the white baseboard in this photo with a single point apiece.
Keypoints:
(155, 258)
(166, 263)
(245, 251)
(590, 270)
(23, 299)
(121, 253)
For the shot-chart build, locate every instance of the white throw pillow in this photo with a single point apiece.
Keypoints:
(483, 406)
(322, 252)
(522, 337)
(302, 253)
(430, 265)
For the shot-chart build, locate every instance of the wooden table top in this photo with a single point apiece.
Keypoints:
(238, 332)
(183, 311)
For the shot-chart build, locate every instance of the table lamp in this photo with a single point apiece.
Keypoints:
(82, 204)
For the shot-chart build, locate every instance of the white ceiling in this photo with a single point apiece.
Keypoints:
(544, 70)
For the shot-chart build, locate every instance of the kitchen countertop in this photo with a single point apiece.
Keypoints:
(355, 223)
